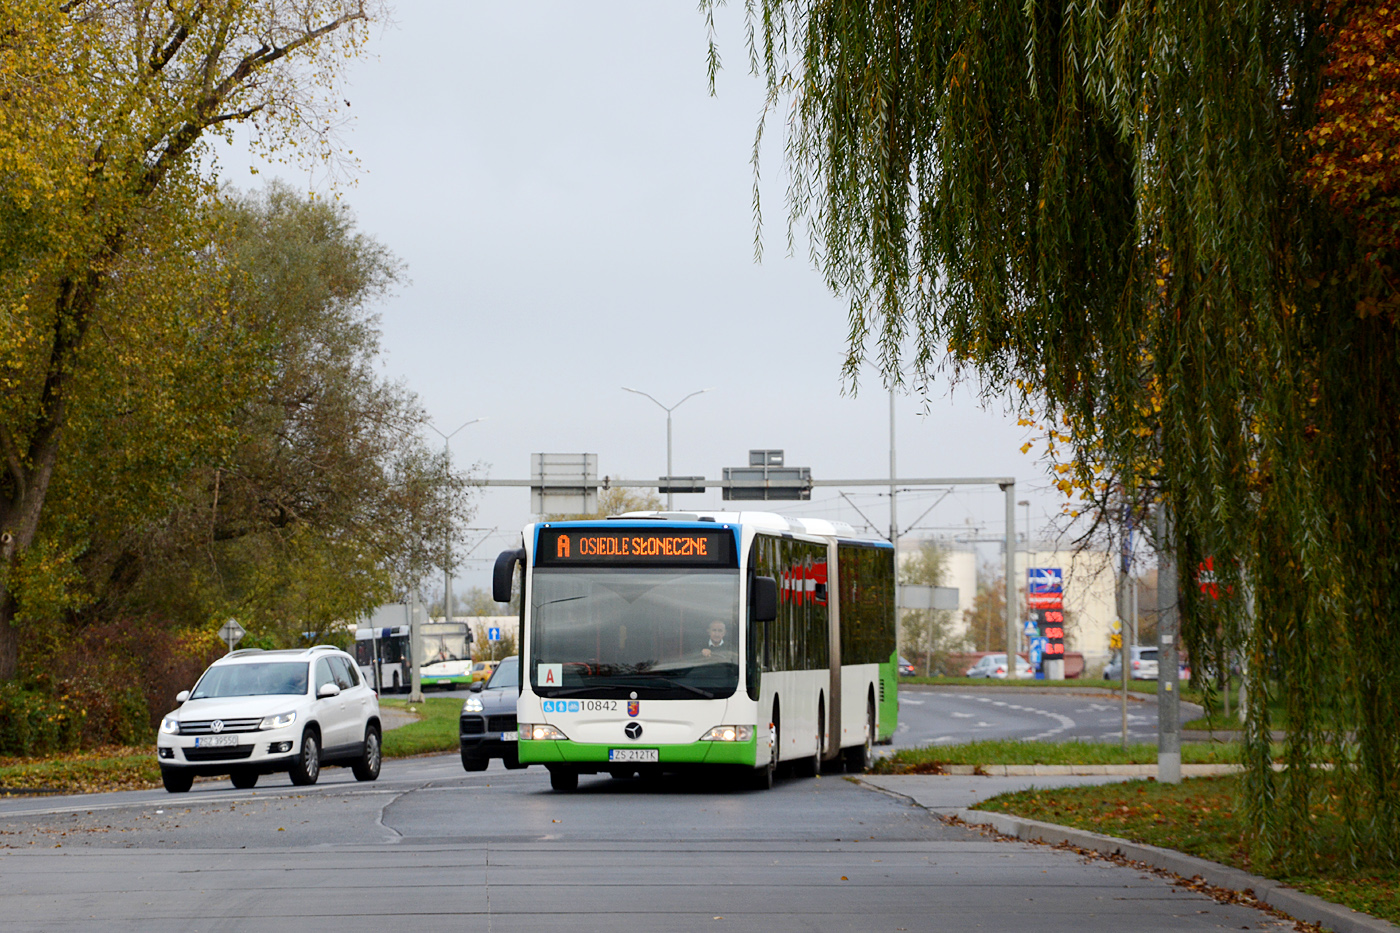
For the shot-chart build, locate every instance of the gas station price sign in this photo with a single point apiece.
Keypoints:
(648, 547)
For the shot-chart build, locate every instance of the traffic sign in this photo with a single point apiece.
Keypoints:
(493, 634)
(1030, 628)
(232, 633)
(1115, 641)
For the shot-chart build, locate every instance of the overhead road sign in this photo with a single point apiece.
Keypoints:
(564, 483)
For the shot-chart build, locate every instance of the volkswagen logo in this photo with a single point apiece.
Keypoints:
(216, 726)
(633, 730)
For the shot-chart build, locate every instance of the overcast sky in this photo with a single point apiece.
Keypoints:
(574, 210)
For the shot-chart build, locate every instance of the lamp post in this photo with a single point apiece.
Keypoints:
(415, 689)
(670, 498)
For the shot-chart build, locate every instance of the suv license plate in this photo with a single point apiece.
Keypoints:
(510, 736)
(215, 741)
(652, 755)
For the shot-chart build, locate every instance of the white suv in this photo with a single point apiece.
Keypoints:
(256, 712)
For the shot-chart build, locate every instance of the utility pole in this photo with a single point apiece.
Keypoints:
(1168, 629)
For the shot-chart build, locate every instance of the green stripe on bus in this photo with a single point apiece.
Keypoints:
(710, 753)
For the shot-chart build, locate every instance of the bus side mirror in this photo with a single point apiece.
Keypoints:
(504, 573)
(763, 599)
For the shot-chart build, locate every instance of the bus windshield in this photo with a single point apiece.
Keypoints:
(610, 633)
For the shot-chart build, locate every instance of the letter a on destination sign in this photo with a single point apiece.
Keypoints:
(562, 546)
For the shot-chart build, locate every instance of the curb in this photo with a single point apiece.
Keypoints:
(1149, 770)
(1296, 904)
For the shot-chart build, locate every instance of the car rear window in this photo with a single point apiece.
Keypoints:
(1148, 655)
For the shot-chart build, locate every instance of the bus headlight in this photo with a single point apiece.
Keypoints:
(279, 721)
(728, 734)
(541, 732)
(170, 725)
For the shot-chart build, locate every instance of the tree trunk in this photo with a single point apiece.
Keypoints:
(30, 475)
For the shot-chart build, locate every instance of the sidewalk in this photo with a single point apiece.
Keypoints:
(392, 717)
(956, 795)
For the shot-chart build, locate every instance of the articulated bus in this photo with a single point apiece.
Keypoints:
(667, 641)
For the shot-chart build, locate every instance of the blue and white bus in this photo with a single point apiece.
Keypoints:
(669, 641)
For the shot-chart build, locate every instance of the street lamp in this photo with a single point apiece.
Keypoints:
(415, 691)
(670, 498)
(1027, 504)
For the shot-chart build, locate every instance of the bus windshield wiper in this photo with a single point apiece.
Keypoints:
(674, 683)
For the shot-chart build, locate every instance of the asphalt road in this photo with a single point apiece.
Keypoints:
(946, 715)
(429, 847)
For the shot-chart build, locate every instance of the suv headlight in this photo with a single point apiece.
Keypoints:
(728, 734)
(278, 720)
(170, 725)
(541, 732)
(473, 705)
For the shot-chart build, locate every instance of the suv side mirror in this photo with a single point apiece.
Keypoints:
(327, 690)
(182, 696)
(477, 686)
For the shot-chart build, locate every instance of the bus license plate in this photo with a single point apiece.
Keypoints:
(510, 736)
(215, 741)
(647, 755)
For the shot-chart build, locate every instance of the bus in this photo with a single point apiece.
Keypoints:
(447, 655)
(737, 642)
(383, 655)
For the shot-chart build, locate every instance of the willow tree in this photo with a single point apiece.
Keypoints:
(107, 107)
(1115, 210)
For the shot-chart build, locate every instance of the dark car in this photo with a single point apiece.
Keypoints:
(906, 667)
(487, 727)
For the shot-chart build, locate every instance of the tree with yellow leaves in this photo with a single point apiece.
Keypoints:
(107, 109)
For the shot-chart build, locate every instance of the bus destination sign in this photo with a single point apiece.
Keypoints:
(636, 546)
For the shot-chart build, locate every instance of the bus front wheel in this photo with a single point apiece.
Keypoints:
(563, 778)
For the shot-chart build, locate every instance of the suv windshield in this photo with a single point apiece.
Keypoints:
(249, 680)
(609, 633)
(507, 674)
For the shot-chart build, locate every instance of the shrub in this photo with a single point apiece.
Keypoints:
(34, 722)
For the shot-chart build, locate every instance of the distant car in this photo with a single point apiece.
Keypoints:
(994, 666)
(906, 667)
(481, 670)
(1143, 660)
(487, 727)
(257, 712)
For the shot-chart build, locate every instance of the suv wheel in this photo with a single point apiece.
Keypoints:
(307, 766)
(474, 762)
(244, 778)
(176, 780)
(366, 767)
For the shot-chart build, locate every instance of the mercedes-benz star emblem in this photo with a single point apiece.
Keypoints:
(216, 726)
(633, 730)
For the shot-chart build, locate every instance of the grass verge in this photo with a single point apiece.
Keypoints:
(114, 768)
(930, 759)
(435, 730)
(1199, 816)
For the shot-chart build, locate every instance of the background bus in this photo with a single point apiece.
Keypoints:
(383, 655)
(447, 658)
(667, 641)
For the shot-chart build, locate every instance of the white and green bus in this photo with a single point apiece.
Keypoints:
(671, 641)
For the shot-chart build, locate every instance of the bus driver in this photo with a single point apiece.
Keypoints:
(718, 649)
